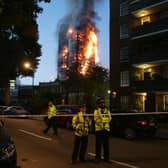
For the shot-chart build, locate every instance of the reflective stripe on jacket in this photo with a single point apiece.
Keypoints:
(80, 124)
(51, 111)
(102, 119)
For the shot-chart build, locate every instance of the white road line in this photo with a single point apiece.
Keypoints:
(117, 162)
(35, 135)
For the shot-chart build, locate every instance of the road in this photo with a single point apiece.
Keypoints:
(37, 150)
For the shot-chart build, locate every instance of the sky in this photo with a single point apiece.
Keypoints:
(48, 22)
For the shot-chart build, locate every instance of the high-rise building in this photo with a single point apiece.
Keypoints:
(77, 39)
(139, 54)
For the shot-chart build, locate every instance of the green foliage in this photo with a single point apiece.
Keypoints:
(40, 101)
(94, 84)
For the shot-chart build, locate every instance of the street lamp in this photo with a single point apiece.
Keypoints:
(27, 65)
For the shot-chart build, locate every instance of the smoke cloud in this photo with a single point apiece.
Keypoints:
(79, 12)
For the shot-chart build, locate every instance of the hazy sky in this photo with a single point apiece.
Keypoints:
(48, 20)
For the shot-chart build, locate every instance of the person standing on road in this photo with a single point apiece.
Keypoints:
(51, 117)
(80, 124)
(102, 118)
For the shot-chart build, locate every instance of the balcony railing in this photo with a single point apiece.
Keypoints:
(151, 85)
(151, 28)
(144, 3)
(157, 54)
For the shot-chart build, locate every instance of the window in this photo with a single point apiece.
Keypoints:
(124, 31)
(12, 84)
(124, 54)
(165, 102)
(124, 100)
(145, 20)
(124, 79)
(124, 8)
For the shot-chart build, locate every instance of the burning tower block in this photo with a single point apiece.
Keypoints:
(78, 39)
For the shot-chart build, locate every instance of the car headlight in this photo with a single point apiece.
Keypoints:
(7, 151)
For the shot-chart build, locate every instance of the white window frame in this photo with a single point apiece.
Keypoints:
(124, 100)
(124, 79)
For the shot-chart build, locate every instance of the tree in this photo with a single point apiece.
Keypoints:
(18, 38)
(94, 84)
(97, 85)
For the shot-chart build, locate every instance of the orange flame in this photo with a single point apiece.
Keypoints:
(65, 52)
(90, 51)
(86, 45)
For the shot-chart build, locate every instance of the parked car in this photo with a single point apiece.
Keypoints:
(8, 156)
(66, 121)
(15, 110)
(132, 126)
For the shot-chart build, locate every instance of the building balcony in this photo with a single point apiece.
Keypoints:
(150, 85)
(136, 5)
(157, 55)
(150, 29)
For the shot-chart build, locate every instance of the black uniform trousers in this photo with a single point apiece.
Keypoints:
(102, 139)
(80, 147)
(51, 123)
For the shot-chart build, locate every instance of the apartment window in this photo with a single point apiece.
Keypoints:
(124, 8)
(124, 54)
(124, 100)
(165, 102)
(124, 31)
(145, 20)
(124, 79)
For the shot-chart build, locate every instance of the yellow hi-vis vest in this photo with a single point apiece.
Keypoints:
(81, 124)
(102, 119)
(51, 111)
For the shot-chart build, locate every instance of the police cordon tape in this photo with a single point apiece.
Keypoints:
(70, 115)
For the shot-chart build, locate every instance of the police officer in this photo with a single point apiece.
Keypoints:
(102, 118)
(80, 124)
(51, 117)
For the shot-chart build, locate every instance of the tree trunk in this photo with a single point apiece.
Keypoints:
(7, 94)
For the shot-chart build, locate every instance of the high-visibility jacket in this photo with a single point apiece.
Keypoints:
(102, 119)
(81, 124)
(51, 111)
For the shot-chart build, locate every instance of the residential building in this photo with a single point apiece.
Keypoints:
(143, 53)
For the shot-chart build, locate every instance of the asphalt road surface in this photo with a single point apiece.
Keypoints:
(36, 150)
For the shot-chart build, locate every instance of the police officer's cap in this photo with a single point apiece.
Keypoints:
(83, 106)
(100, 100)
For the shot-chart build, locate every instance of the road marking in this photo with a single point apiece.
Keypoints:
(35, 135)
(117, 162)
